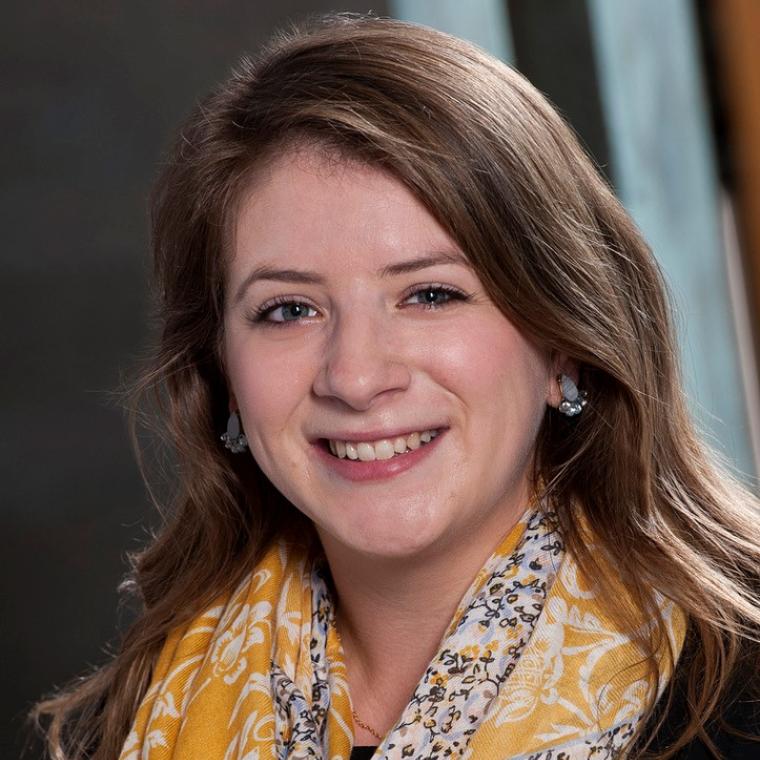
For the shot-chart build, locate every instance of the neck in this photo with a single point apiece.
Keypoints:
(383, 605)
(391, 617)
(392, 612)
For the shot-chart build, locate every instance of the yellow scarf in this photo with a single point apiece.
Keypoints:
(530, 666)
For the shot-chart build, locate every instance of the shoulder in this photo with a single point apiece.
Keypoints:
(731, 731)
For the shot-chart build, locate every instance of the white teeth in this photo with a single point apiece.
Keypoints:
(383, 449)
(366, 452)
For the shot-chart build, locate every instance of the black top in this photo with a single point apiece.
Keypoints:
(741, 712)
(362, 753)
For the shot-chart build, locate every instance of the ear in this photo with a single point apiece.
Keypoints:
(560, 364)
(233, 404)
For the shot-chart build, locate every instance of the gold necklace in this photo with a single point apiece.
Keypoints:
(359, 722)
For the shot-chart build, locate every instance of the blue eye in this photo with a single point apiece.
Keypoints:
(434, 296)
(284, 311)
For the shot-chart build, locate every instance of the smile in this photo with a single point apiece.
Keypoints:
(385, 448)
(377, 459)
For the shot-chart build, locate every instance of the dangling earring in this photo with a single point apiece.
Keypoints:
(573, 400)
(233, 439)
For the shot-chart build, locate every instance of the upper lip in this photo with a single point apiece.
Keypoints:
(375, 435)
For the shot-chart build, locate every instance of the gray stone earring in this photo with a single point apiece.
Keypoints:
(573, 400)
(234, 439)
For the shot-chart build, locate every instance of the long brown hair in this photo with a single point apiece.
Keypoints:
(505, 176)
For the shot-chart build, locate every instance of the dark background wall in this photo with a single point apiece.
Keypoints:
(91, 93)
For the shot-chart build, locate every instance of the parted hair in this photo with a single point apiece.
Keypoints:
(500, 170)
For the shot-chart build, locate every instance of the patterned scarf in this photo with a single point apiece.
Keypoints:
(530, 667)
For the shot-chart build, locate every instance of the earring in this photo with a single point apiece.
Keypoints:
(233, 439)
(573, 400)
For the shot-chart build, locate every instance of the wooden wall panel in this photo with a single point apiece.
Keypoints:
(736, 28)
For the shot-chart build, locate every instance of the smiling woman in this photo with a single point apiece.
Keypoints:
(459, 509)
(383, 349)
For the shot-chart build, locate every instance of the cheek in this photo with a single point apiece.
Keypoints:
(493, 361)
(267, 386)
(502, 380)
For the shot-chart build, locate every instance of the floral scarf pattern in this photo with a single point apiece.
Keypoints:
(530, 667)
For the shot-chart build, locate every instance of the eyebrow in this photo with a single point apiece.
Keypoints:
(306, 277)
(423, 262)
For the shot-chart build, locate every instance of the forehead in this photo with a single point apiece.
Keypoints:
(311, 207)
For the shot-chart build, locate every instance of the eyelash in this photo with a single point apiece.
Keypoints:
(260, 315)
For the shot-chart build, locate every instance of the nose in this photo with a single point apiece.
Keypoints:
(361, 363)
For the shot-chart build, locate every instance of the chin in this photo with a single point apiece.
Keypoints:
(398, 539)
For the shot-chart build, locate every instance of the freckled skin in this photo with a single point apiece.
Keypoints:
(365, 354)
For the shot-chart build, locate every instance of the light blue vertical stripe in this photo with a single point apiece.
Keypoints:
(483, 22)
(664, 169)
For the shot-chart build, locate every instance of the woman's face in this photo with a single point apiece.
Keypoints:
(354, 322)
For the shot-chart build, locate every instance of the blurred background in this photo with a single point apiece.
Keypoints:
(665, 95)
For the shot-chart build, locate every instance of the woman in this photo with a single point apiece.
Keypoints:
(460, 509)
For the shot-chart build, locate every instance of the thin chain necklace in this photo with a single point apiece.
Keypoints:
(365, 726)
(359, 722)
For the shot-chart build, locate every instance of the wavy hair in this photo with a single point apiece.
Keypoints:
(505, 176)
